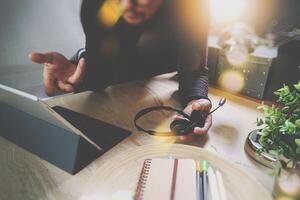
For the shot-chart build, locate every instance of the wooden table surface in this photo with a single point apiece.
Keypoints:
(25, 176)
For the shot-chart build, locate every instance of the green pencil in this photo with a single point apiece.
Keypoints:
(204, 179)
(199, 179)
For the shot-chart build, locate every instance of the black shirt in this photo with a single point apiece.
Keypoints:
(127, 52)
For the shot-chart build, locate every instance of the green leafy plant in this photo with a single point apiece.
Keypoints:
(280, 129)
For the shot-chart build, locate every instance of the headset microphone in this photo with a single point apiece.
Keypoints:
(178, 126)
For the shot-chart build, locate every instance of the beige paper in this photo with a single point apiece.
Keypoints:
(157, 176)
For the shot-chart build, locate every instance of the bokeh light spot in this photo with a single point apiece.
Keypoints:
(232, 81)
(109, 13)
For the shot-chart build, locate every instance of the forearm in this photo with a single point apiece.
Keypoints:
(95, 77)
(193, 85)
(193, 71)
(193, 52)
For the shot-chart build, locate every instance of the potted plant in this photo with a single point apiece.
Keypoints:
(279, 135)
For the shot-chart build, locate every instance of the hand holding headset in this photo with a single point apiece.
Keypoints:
(178, 126)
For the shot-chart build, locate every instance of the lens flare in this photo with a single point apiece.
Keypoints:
(232, 81)
(109, 13)
(222, 10)
(237, 54)
(164, 127)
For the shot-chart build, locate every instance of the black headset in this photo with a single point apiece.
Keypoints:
(178, 126)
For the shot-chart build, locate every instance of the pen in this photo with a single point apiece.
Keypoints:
(199, 176)
(204, 179)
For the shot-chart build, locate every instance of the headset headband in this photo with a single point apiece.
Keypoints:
(150, 109)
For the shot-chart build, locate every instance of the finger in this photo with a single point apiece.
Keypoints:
(175, 117)
(65, 87)
(78, 75)
(201, 105)
(205, 128)
(184, 138)
(188, 110)
(208, 122)
(49, 83)
(41, 58)
(200, 131)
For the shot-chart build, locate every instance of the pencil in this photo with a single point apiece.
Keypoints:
(199, 175)
(204, 179)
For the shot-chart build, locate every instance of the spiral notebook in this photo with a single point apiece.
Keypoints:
(167, 179)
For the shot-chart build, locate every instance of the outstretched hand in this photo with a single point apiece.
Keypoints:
(59, 71)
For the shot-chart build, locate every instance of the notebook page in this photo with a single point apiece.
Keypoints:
(185, 188)
(159, 180)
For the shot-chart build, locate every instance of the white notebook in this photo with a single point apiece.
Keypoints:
(167, 179)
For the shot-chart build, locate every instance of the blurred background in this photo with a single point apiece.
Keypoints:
(36, 26)
(254, 45)
(254, 63)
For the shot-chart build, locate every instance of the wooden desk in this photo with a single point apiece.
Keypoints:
(25, 176)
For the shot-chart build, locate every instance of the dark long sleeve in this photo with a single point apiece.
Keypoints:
(193, 69)
(193, 75)
(81, 53)
(95, 70)
(193, 84)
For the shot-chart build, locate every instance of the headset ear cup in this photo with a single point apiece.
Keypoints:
(178, 126)
(199, 116)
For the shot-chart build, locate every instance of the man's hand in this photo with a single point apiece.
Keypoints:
(199, 104)
(59, 71)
